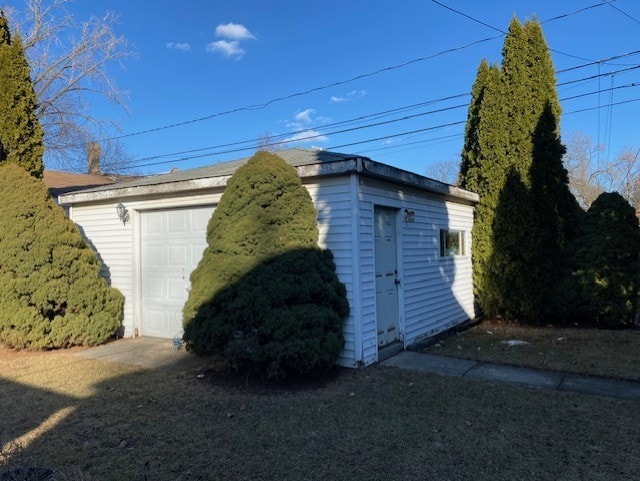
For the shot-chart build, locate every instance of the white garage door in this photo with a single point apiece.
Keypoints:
(172, 245)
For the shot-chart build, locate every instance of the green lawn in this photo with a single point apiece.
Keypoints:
(92, 420)
(583, 351)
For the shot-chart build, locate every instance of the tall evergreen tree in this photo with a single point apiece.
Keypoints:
(513, 159)
(20, 130)
(483, 170)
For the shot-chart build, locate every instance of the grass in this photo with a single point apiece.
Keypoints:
(594, 352)
(105, 421)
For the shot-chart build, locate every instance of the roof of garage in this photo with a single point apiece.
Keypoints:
(308, 163)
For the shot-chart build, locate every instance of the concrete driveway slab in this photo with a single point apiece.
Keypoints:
(146, 352)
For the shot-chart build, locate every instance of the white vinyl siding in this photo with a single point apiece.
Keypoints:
(113, 242)
(334, 202)
(436, 292)
(367, 284)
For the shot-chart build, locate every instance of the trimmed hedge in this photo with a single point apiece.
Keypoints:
(52, 293)
(263, 294)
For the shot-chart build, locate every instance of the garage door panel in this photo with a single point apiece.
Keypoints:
(155, 322)
(153, 223)
(177, 222)
(176, 289)
(179, 255)
(153, 255)
(153, 288)
(200, 221)
(172, 244)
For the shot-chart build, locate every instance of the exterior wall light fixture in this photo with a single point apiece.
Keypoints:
(123, 213)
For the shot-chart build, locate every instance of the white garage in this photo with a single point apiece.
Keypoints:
(172, 242)
(401, 244)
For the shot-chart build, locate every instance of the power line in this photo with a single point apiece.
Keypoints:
(559, 17)
(365, 141)
(610, 3)
(281, 139)
(341, 82)
(544, 21)
(597, 62)
(622, 102)
(299, 94)
(598, 76)
(323, 127)
(288, 141)
(469, 17)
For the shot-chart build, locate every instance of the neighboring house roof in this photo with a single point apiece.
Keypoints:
(62, 182)
(308, 163)
(59, 182)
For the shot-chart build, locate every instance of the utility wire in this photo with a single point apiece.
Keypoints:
(299, 94)
(610, 3)
(544, 21)
(376, 139)
(338, 83)
(360, 119)
(281, 139)
(469, 17)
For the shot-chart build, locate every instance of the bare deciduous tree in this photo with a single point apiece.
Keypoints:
(590, 174)
(444, 170)
(69, 62)
(267, 143)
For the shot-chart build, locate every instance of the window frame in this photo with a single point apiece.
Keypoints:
(447, 250)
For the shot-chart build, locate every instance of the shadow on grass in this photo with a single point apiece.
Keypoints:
(373, 423)
(33, 412)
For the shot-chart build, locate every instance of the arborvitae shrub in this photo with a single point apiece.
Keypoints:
(52, 294)
(263, 294)
(20, 131)
(607, 263)
(512, 144)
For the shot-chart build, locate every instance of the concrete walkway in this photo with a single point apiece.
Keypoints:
(536, 378)
(162, 354)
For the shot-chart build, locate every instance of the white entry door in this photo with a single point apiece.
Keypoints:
(172, 243)
(386, 275)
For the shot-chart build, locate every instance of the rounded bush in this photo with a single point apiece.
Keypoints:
(264, 295)
(607, 263)
(52, 293)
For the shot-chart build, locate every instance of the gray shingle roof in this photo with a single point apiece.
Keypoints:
(294, 157)
(309, 163)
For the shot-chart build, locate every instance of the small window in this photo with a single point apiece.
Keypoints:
(451, 243)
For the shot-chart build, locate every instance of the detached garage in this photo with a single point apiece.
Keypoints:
(401, 243)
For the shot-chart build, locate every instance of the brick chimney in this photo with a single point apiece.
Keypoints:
(93, 158)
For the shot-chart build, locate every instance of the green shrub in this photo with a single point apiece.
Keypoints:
(263, 294)
(20, 130)
(52, 294)
(607, 263)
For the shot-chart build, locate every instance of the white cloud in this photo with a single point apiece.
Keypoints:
(353, 95)
(228, 49)
(234, 31)
(184, 46)
(308, 135)
(232, 34)
(305, 116)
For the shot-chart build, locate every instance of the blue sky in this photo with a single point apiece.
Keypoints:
(202, 58)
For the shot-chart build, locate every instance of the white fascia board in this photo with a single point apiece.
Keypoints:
(144, 190)
(387, 172)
